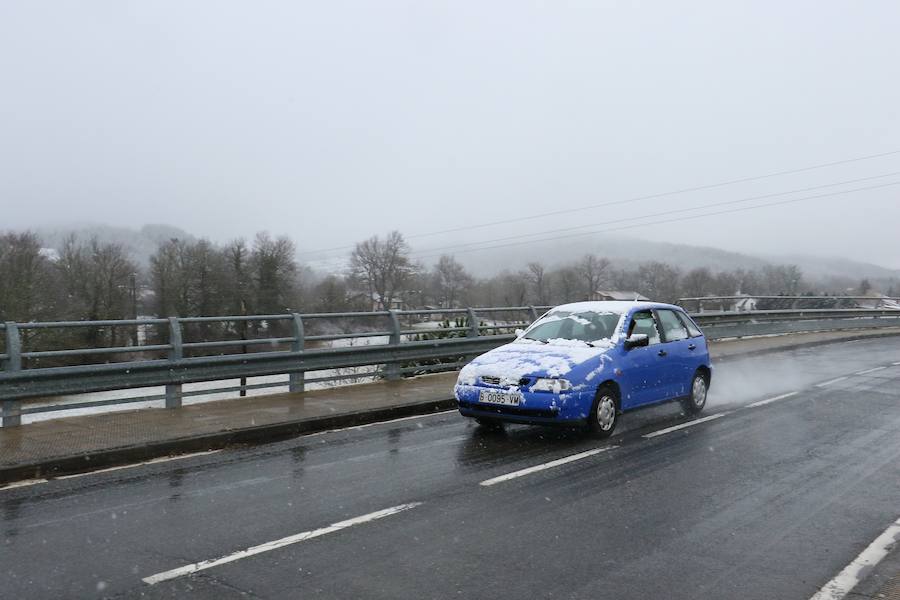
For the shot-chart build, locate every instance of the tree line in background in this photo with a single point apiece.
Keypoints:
(84, 279)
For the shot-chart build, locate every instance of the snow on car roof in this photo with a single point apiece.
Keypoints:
(608, 305)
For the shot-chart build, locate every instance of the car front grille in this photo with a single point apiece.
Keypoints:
(492, 380)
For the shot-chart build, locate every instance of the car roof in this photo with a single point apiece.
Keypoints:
(612, 305)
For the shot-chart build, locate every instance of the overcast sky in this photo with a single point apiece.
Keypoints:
(331, 121)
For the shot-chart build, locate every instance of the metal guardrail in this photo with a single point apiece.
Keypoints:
(794, 302)
(298, 354)
(172, 365)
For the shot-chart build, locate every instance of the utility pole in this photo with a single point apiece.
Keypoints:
(243, 390)
(134, 329)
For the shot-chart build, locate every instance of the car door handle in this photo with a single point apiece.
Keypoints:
(662, 352)
(692, 347)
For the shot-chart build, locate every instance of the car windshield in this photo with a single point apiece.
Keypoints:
(588, 327)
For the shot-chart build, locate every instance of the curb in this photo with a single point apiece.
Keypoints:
(260, 434)
(123, 455)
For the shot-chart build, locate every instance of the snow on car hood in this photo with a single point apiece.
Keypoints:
(515, 360)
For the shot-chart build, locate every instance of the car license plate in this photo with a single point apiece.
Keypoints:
(507, 398)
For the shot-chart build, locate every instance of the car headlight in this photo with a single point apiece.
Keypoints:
(548, 384)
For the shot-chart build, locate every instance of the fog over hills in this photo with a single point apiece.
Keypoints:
(626, 252)
(623, 251)
(140, 243)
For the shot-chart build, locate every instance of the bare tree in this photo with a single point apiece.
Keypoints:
(96, 278)
(782, 279)
(331, 295)
(274, 267)
(697, 282)
(382, 266)
(536, 279)
(568, 284)
(27, 292)
(451, 280)
(593, 272)
(512, 288)
(239, 277)
(170, 279)
(658, 281)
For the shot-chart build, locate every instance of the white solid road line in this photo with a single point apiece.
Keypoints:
(869, 371)
(545, 466)
(847, 579)
(286, 541)
(152, 461)
(684, 425)
(23, 483)
(770, 400)
(824, 383)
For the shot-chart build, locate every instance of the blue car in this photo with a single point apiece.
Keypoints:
(588, 362)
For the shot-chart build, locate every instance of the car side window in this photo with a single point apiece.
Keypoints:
(692, 328)
(643, 322)
(672, 326)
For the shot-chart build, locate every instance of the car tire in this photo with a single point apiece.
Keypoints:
(489, 424)
(604, 415)
(696, 398)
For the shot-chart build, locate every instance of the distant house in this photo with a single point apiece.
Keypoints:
(618, 295)
(878, 301)
(397, 303)
(744, 303)
(50, 254)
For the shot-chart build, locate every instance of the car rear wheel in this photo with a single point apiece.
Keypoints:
(696, 400)
(604, 412)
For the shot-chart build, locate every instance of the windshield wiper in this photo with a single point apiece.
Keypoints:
(525, 337)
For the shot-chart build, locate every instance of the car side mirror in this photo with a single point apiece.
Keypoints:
(637, 340)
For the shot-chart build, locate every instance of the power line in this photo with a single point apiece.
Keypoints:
(663, 221)
(659, 214)
(626, 200)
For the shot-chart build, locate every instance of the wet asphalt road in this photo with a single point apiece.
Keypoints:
(764, 502)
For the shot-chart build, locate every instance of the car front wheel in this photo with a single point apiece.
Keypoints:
(604, 413)
(695, 402)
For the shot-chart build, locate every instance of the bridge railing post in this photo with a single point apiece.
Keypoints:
(176, 352)
(473, 331)
(534, 313)
(392, 369)
(297, 380)
(10, 408)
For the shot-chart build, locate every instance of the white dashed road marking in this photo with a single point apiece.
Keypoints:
(286, 541)
(869, 371)
(824, 383)
(545, 466)
(684, 425)
(770, 400)
(853, 573)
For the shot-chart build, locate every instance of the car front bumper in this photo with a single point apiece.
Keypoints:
(535, 407)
